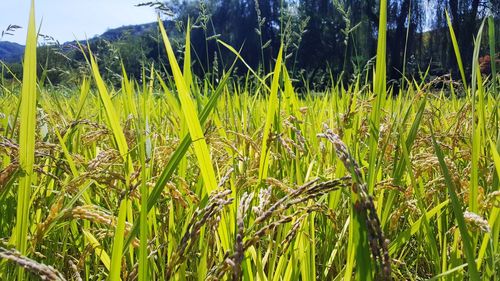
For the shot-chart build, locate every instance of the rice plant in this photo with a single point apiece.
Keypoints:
(188, 178)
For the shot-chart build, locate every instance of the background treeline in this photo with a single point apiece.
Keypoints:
(321, 38)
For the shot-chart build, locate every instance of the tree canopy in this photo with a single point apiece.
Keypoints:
(321, 37)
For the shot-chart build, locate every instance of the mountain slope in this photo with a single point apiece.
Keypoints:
(11, 52)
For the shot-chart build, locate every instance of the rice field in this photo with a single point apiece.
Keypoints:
(248, 179)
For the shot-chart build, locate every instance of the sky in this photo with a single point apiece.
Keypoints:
(67, 20)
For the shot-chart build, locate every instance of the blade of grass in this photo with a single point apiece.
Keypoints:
(404, 236)
(477, 129)
(111, 115)
(448, 272)
(379, 87)
(401, 165)
(238, 56)
(103, 256)
(189, 110)
(188, 76)
(179, 153)
(191, 116)
(495, 224)
(457, 50)
(271, 111)
(144, 190)
(121, 143)
(491, 41)
(27, 132)
(496, 157)
(457, 210)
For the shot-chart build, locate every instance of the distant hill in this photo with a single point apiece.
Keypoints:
(11, 52)
(116, 34)
(132, 30)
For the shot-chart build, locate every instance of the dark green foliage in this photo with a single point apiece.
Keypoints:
(320, 38)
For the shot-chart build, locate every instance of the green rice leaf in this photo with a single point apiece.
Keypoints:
(457, 210)
(189, 110)
(27, 132)
(271, 111)
(457, 50)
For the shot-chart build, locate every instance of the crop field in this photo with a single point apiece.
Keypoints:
(189, 178)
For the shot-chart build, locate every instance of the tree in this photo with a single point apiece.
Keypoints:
(465, 17)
